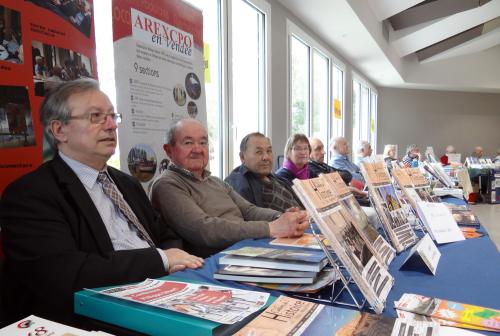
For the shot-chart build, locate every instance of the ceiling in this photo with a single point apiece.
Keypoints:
(429, 44)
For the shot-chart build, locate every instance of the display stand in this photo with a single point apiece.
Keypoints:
(346, 279)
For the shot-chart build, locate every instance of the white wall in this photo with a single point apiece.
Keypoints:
(438, 119)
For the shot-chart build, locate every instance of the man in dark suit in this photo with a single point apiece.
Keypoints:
(76, 223)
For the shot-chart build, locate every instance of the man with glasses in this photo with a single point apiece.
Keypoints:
(76, 223)
(204, 210)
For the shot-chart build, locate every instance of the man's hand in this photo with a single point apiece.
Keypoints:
(179, 260)
(289, 224)
(358, 193)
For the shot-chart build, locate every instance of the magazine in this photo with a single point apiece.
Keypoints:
(385, 251)
(325, 277)
(255, 274)
(34, 325)
(468, 316)
(346, 239)
(471, 233)
(219, 304)
(414, 185)
(278, 254)
(393, 216)
(307, 240)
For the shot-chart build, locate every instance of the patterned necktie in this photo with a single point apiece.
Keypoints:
(110, 190)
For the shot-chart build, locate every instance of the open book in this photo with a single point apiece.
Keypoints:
(346, 239)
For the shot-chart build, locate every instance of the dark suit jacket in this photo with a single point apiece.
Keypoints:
(56, 243)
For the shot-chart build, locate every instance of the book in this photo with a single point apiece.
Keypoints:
(34, 325)
(278, 254)
(282, 264)
(461, 314)
(326, 277)
(439, 222)
(465, 218)
(384, 250)
(346, 239)
(214, 303)
(471, 232)
(389, 208)
(255, 274)
(307, 240)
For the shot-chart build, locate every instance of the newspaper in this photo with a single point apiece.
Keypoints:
(385, 252)
(404, 327)
(393, 216)
(219, 304)
(346, 239)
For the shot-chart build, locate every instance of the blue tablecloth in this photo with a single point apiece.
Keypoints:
(468, 272)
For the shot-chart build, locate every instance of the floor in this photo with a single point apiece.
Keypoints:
(489, 216)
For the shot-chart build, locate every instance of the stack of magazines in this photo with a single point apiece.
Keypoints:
(269, 267)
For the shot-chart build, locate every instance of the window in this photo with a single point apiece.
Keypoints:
(315, 83)
(364, 116)
(248, 81)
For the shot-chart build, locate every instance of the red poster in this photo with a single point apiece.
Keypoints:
(42, 43)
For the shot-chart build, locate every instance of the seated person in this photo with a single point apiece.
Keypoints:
(254, 179)
(477, 152)
(317, 163)
(389, 156)
(364, 152)
(75, 222)
(412, 156)
(205, 211)
(449, 150)
(497, 158)
(297, 150)
(340, 149)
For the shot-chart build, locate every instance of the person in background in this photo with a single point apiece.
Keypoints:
(364, 152)
(478, 152)
(340, 150)
(317, 163)
(449, 150)
(205, 211)
(75, 222)
(412, 156)
(254, 179)
(497, 158)
(389, 155)
(297, 150)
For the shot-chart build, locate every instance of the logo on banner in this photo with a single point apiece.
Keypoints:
(158, 33)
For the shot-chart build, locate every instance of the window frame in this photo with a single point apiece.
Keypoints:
(372, 110)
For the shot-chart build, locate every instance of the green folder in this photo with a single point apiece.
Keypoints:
(151, 320)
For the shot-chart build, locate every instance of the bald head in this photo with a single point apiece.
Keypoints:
(365, 149)
(340, 146)
(450, 149)
(478, 152)
(317, 150)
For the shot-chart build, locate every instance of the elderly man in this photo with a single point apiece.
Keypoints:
(74, 222)
(444, 159)
(478, 152)
(364, 152)
(412, 156)
(317, 163)
(340, 150)
(254, 179)
(206, 212)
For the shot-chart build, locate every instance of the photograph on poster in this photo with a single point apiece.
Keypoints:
(179, 95)
(76, 12)
(11, 46)
(16, 123)
(142, 162)
(193, 85)
(388, 195)
(192, 109)
(53, 65)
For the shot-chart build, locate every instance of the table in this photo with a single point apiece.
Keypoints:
(468, 272)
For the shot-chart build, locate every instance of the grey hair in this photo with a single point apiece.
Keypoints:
(55, 105)
(410, 148)
(244, 141)
(293, 140)
(172, 130)
(362, 146)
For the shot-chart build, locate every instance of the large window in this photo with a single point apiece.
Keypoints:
(364, 116)
(316, 88)
(248, 79)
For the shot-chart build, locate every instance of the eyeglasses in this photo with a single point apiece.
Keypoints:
(300, 149)
(99, 117)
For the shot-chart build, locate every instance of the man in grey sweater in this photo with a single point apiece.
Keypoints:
(206, 212)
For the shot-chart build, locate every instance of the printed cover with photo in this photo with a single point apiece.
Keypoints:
(384, 250)
(388, 206)
(346, 239)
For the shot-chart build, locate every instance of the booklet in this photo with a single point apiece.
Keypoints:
(256, 274)
(325, 277)
(469, 316)
(278, 254)
(34, 325)
(307, 240)
(215, 303)
(385, 251)
(347, 240)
